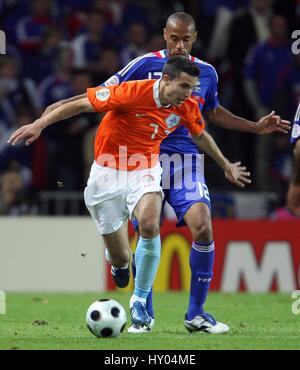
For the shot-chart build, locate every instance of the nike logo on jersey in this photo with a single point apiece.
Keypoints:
(141, 114)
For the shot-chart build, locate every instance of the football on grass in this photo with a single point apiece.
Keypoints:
(106, 318)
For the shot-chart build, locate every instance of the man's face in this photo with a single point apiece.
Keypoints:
(179, 38)
(179, 89)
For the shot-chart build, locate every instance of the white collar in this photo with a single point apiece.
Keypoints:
(156, 95)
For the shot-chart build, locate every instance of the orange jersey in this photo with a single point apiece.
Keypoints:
(130, 134)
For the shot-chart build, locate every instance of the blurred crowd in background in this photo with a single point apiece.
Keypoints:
(57, 48)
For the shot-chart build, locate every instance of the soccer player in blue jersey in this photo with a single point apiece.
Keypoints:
(192, 205)
(293, 196)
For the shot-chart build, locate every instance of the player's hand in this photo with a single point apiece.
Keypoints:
(272, 123)
(29, 133)
(237, 174)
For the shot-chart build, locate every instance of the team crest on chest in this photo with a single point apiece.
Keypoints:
(172, 120)
(197, 88)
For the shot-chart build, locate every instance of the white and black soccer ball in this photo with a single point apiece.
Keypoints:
(106, 318)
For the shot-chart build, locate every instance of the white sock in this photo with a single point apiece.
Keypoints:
(135, 298)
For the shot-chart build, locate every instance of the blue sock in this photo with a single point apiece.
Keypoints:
(147, 256)
(201, 263)
(149, 301)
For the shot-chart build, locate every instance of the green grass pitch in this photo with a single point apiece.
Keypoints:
(57, 321)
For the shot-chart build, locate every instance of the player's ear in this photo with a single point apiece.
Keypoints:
(195, 36)
(166, 78)
(165, 34)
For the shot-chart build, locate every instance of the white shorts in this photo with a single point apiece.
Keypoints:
(111, 195)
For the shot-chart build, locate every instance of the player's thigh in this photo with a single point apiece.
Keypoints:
(147, 212)
(145, 195)
(105, 198)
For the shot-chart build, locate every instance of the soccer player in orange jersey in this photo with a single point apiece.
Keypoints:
(125, 176)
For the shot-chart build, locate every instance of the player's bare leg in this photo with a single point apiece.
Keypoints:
(118, 254)
(118, 246)
(147, 258)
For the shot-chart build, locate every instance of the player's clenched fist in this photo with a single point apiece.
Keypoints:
(29, 133)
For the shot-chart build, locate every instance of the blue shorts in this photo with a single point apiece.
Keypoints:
(183, 183)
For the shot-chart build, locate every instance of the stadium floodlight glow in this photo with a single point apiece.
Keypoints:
(2, 303)
(2, 42)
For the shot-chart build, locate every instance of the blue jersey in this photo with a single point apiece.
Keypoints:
(150, 66)
(296, 127)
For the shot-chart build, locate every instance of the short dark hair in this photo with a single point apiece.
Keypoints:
(181, 17)
(178, 64)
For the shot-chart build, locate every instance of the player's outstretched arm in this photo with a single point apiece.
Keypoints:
(234, 172)
(31, 132)
(59, 103)
(266, 125)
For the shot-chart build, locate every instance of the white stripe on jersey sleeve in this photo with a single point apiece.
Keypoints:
(162, 53)
(133, 62)
(208, 64)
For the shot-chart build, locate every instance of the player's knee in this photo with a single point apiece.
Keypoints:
(148, 228)
(202, 232)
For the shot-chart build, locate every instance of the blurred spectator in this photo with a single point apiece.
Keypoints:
(72, 15)
(71, 166)
(204, 12)
(15, 91)
(111, 8)
(10, 15)
(136, 41)
(156, 42)
(87, 47)
(15, 198)
(18, 153)
(133, 13)
(248, 27)
(220, 33)
(40, 64)
(108, 65)
(57, 86)
(265, 68)
(30, 28)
